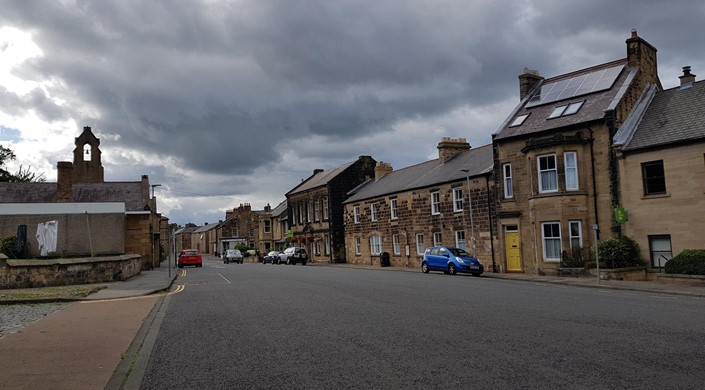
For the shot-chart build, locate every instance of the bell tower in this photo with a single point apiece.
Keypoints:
(87, 167)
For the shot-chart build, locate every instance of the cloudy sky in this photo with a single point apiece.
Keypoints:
(227, 102)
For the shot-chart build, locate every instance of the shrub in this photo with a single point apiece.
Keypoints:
(576, 258)
(9, 245)
(621, 252)
(688, 262)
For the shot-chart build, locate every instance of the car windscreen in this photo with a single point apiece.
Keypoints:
(459, 252)
(191, 253)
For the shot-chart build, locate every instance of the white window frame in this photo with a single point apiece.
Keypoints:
(356, 214)
(267, 226)
(460, 241)
(551, 240)
(357, 245)
(317, 248)
(317, 209)
(420, 248)
(435, 203)
(457, 199)
(396, 244)
(301, 213)
(437, 239)
(373, 212)
(393, 208)
(309, 210)
(325, 208)
(375, 245)
(553, 172)
(571, 172)
(579, 236)
(326, 246)
(507, 179)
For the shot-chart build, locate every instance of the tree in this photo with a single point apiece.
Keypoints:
(23, 175)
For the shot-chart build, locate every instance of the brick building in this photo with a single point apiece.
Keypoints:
(404, 211)
(556, 173)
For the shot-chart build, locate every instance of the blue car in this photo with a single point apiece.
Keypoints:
(450, 260)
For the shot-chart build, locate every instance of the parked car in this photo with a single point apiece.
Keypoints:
(271, 257)
(293, 255)
(232, 256)
(190, 257)
(450, 260)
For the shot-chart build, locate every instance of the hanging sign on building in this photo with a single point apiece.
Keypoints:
(620, 215)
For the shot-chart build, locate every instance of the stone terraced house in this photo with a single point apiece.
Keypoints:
(316, 209)
(556, 172)
(661, 155)
(400, 213)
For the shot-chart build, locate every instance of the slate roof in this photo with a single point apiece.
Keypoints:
(186, 230)
(320, 178)
(128, 192)
(280, 209)
(667, 117)
(434, 172)
(205, 228)
(593, 109)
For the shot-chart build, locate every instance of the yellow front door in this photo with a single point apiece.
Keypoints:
(511, 240)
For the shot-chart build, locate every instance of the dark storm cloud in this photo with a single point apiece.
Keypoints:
(234, 87)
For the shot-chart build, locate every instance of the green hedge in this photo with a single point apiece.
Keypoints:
(621, 252)
(688, 262)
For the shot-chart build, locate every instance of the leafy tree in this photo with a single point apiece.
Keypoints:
(23, 175)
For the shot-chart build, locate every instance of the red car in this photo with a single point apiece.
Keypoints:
(190, 257)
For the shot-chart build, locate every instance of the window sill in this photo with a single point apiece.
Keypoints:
(655, 196)
(557, 193)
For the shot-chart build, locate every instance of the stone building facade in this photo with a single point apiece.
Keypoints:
(556, 174)
(402, 212)
(660, 151)
(80, 186)
(315, 209)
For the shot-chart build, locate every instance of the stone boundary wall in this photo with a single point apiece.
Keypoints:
(67, 271)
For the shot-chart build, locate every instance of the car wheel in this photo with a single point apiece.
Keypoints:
(303, 263)
(476, 274)
(288, 261)
(451, 269)
(424, 267)
(181, 266)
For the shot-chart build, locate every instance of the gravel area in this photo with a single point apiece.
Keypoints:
(15, 317)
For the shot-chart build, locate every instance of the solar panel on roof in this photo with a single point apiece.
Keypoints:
(579, 85)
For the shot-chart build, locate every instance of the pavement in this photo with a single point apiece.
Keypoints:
(94, 343)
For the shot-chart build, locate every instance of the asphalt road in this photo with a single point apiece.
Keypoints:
(261, 326)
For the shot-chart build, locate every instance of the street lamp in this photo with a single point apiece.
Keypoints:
(472, 223)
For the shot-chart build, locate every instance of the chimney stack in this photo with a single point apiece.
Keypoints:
(687, 79)
(64, 181)
(449, 147)
(382, 169)
(641, 54)
(527, 81)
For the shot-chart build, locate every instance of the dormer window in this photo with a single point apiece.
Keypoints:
(566, 109)
(519, 120)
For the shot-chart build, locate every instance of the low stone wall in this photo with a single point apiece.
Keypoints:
(67, 271)
(688, 280)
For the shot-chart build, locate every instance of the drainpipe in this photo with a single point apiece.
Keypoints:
(594, 183)
(489, 211)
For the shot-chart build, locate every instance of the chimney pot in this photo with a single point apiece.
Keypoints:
(687, 79)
